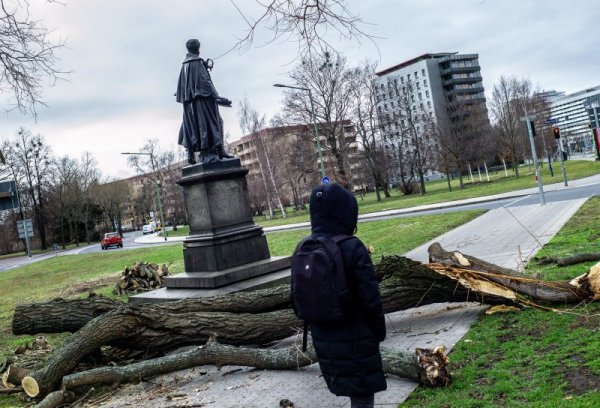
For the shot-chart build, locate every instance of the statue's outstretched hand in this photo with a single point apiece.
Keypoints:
(222, 101)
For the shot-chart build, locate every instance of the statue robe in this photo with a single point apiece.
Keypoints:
(202, 126)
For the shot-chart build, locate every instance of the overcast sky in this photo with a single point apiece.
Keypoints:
(124, 57)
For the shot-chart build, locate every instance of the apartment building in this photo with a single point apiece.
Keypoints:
(574, 119)
(414, 95)
(288, 154)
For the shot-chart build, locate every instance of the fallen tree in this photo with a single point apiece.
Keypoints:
(426, 366)
(404, 284)
(262, 317)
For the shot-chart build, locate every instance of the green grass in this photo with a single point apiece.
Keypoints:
(532, 358)
(47, 279)
(437, 191)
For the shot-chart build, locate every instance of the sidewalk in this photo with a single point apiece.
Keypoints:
(156, 239)
(506, 236)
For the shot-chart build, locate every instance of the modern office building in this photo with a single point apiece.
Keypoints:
(573, 118)
(424, 88)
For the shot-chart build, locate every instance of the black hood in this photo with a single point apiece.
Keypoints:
(333, 210)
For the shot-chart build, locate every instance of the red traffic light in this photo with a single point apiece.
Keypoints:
(556, 132)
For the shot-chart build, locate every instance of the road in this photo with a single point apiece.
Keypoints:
(128, 243)
(129, 238)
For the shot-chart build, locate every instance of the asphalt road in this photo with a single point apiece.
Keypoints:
(129, 238)
(128, 243)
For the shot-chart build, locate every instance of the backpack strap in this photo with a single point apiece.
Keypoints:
(338, 239)
(305, 336)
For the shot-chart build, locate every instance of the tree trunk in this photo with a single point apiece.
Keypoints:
(429, 367)
(448, 180)
(405, 284)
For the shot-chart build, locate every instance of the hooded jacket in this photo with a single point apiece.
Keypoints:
(349, 351)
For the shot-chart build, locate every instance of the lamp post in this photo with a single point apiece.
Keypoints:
(314, 119)
(158, 187)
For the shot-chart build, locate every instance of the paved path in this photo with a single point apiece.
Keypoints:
(506, 236)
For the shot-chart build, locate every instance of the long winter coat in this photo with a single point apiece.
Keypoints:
(349, 352)
(202, 126)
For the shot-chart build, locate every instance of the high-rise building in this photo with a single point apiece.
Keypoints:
(573, 118)
(415, 94)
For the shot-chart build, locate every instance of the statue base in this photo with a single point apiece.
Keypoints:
(225, 251)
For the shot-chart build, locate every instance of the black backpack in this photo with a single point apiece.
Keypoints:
(319, 286)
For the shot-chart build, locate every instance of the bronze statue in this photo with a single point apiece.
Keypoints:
(202, 126)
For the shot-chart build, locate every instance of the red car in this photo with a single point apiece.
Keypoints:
(111, 239)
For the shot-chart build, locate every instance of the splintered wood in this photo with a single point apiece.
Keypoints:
(140, 277)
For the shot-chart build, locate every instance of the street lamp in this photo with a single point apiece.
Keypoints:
(314, 118)
(158, 187)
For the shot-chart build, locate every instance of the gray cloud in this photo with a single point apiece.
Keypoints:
(125, 58)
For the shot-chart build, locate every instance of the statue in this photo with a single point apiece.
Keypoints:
(202, 126)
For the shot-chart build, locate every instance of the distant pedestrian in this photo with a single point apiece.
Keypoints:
(348, 350)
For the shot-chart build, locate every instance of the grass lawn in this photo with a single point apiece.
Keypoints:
(532, 358)
(74, 275)
(437, 191)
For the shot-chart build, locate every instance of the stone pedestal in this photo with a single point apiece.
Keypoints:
(225, 251)
(222, 232)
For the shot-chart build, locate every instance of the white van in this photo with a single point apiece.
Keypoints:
(148, 229)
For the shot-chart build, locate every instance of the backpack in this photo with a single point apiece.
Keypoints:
(319, 286)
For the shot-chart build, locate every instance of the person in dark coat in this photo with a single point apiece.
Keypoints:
(348, 352)
(202, 126)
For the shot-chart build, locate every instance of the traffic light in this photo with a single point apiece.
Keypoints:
(556, 132)
(532, 128)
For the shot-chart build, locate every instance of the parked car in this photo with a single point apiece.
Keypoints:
(111, 239)
(148, 229)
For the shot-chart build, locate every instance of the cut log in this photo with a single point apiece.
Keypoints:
(13, 376)
(60, 315)
(429, 367)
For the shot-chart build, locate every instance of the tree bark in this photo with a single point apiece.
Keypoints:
(429, 367)
(61, 315)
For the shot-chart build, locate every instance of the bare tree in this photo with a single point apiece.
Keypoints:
(407, 125)
(305, 22)
(364, 117)
(27, 56)
(253, 124)
(330, 82)
(89, 177)
(295, 153)
(29, 159)
(159, 168)
(64, 197)
(111, 197)
(461, 136)
(511, 99)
